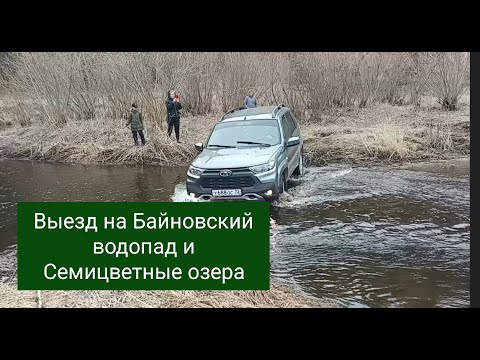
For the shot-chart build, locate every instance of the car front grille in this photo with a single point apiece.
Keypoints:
(234, 171)
(227, 183)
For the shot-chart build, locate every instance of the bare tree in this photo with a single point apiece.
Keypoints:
(447, 76)
(58, 87)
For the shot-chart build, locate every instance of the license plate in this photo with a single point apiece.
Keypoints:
(230, 192)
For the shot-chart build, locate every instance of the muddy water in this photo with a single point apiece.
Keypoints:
(384, 238)
(359, 237)
(34, 181)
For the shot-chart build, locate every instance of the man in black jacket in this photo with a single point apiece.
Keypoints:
(173, 114)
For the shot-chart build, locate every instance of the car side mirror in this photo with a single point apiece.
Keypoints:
(293, 141)
(199, 146)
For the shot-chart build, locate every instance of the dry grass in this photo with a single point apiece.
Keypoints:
(386, 140)
(8, 265)
(385, 133)
(379, 133)
(278, 296)
(104, 141)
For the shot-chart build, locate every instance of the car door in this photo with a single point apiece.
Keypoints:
(288, 129)
(283, 122)
(297, 150)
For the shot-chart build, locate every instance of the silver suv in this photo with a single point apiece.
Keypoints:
(250, 155)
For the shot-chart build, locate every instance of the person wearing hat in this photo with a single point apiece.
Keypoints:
(135, 120)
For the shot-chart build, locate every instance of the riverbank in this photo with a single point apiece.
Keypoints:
(381, 133)
(279, 296)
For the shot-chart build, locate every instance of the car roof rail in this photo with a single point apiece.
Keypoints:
(274, 112)
(232, 111)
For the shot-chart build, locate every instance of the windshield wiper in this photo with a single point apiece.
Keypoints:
(253, 143)
(222, 146)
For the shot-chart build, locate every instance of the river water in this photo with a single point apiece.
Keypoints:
(358, 237)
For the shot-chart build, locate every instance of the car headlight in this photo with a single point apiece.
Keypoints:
(194, 172)
(263, 168)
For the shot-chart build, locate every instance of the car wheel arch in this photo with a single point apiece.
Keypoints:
(283, 172)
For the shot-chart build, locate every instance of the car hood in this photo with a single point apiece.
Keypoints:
(234, 158)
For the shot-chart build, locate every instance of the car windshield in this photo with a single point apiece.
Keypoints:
(245, 133)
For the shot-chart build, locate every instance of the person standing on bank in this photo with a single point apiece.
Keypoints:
(250, 100)
(173, 114)
(135, 120)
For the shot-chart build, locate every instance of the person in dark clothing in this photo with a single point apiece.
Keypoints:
(173, 114)
(135, 120)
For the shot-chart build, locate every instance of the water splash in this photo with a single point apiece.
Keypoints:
(180, 194)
